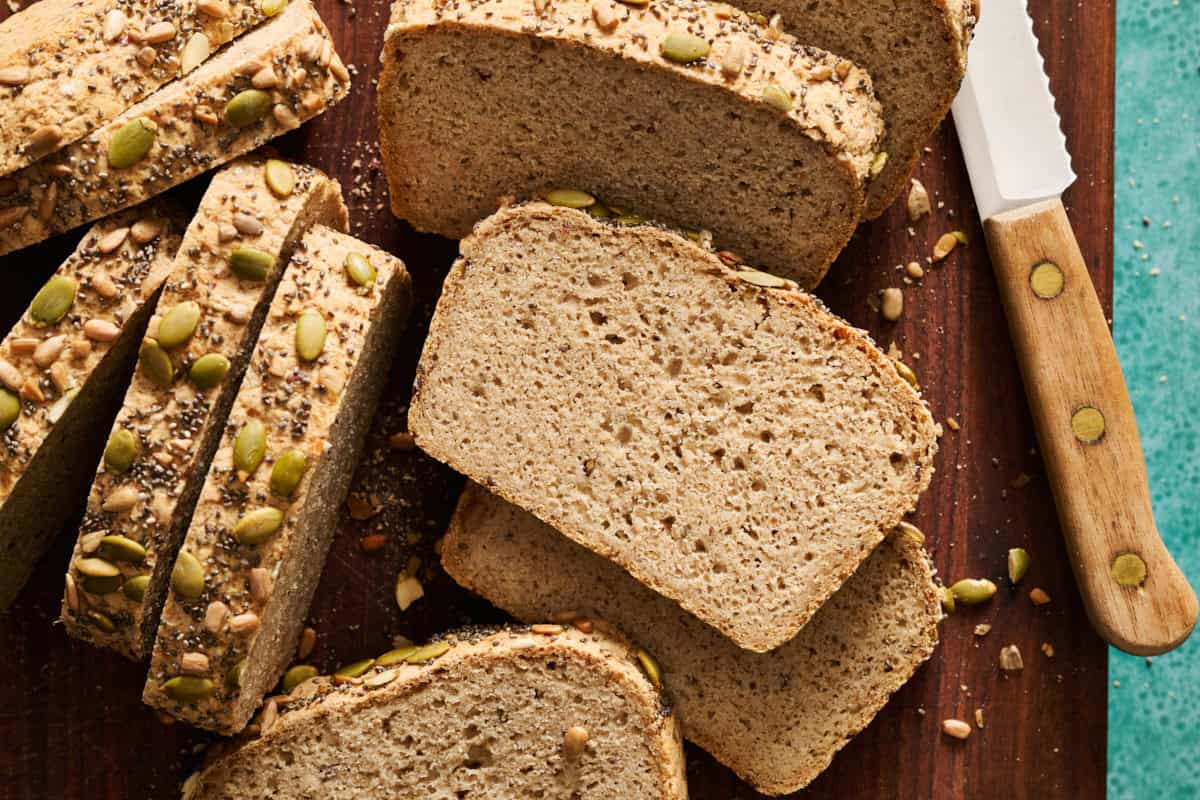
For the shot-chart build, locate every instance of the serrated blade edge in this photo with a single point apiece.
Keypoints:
(1010, 132)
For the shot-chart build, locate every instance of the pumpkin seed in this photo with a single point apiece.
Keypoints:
(178, 324)
(359, 268)
(135, 588)
(280, 177)
(257, 526)
(10, 409)
(96, 585)
(1128, 569)
(356, 669)
(101, 621)
(380, 679)
(247, 108)
(569, 198)
(53, 301)
(288, 472)
(131, 143)
(187, 576)
(599, 211)
(121, 451)
(396, 656)
(251, 264)
(776, 96)
(1018, 564)
(272, 7)
(653, 671)
(233, 678)
(156, 364)
(310, 335)
(209, 370)
(906, 372)
(683, 48)
(97, 568)
(973, 591)
(249, 447)
(298, 675)
(188, 688)
(121, 548)
(947, 599)
(427, 653)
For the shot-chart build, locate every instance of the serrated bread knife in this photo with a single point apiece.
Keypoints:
(1135, 594)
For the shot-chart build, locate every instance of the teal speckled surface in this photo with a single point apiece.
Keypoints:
(1154, 708)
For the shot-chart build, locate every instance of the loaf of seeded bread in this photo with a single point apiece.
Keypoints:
(776, 719)
(734, 446)
(267, 513)
(69, 66)
(916, 52)
(758, 138)
(519, 713)
(192, 125)
(62, 369)
(198, 344)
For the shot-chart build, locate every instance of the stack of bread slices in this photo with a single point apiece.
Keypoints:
(687, 477)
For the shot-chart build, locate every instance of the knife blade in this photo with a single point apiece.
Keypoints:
(1019, 165)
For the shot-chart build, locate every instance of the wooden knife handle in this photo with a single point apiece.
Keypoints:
(1136, 595)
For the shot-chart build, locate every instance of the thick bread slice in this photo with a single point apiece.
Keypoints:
(178, 426)
(67, 377)
(736, 448)
(590, 102)
(916, 52)
(777, 718)
(247, 620)
(509, 714)
(69, 66)
(191, 132)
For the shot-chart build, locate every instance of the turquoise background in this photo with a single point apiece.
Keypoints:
(1154, 708)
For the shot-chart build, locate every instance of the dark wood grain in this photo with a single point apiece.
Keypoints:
(70, 717)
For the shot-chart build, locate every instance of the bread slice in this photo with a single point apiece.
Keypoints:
(69, 66)
(776, 719)
(191, 131)
(764, 141)
(231, 642)
(66, 377)
(512, 714)
(168, 433)
(736, 448)
(916, 52)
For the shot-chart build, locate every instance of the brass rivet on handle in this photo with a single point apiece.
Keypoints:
(1087, 423)
(1128, 569)
(1046, 279)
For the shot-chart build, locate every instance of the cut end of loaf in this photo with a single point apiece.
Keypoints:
(736, 448)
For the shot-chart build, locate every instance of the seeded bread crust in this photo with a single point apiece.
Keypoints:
(76, 184)
(916, 52)
(776, 719)
(178, 428)
(736, 448)
(68, 378)
(330, 740)
(695, 145)
(69, 66)
(320, 407)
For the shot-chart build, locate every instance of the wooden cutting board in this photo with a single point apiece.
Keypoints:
(70, 716)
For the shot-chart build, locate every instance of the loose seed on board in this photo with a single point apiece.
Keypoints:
(249, 447)
(287, 472)
(956, 728)
(1018, 564)
(891, 304)
(208, 371)
(53, 301)
(1010, 659)
(131, 143)
(408, 590)
(258, 526)
(187, 577)
(1038, 596)
(944, 246)
(973, 591)
(918, 201)
(310, 335)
